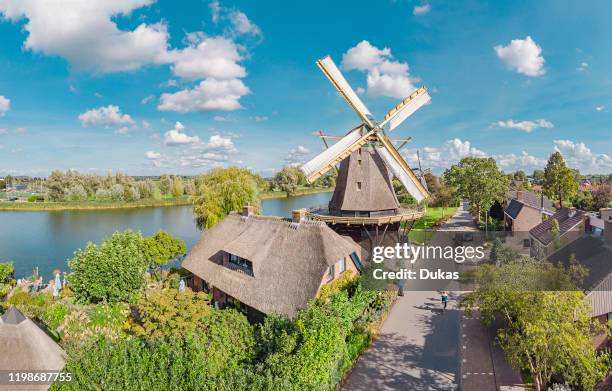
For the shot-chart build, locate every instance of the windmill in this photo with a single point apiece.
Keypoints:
(364, 199)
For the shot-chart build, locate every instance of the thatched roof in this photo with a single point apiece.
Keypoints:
(376, 192)
(289, 260)
(25, 346)
(567, 219)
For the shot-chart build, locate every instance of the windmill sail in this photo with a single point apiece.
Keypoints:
(332, 72)
(401, 171)
(406, 108)
(334, 154)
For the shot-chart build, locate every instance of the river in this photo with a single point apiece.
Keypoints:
(47, 239)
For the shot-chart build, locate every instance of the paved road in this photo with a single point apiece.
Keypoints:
(418, 345)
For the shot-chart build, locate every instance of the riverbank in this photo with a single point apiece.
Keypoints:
(303, 191)
(100, 205)
(92, 205)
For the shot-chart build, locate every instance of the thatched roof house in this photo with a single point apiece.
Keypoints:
(269, 264)
(25, 347)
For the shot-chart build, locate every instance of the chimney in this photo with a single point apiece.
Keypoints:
(298, 215)
(607, 233)
(247, 210)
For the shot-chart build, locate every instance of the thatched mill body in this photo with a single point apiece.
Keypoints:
(364, 205)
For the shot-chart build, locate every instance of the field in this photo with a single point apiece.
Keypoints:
(423, 229)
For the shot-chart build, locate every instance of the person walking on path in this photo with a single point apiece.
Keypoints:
(444, 299)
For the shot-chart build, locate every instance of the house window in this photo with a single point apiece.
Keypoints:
(359, 162)
(241, 263)
(330, 273)
(358, 186)
(342, 265)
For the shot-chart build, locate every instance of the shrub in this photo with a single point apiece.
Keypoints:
(168, 312)
(103, 194)
(111, 272)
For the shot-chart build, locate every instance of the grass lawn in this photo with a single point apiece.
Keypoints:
(423, 229)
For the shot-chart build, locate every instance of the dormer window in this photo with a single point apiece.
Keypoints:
(241, 264)
(358, 186)
(342, 265)
(330, 273)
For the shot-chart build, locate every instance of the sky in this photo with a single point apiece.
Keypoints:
(147, 87)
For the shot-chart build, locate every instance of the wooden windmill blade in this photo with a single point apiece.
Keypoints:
(327, 159)
(334, 75)
(406, 108)
(400, 169)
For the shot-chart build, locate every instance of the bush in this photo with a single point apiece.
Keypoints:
(117, 192)
(76, 193)
(54, 315)
(168, 312)
(111, 272)
(103, 194)
(35, 198)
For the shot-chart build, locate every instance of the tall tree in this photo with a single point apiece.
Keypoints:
(289, 179)
(160, 248)
(222, 191)
(559, 181)
(479, 181)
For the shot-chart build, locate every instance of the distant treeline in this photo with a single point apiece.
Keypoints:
(74, 186)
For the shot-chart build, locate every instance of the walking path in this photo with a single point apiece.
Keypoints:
(417, 348)
(421, 347)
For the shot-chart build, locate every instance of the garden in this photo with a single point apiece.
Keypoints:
(127, 322)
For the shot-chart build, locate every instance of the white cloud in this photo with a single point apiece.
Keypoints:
(152, 155)
(5, 105)
(522, 55)
(215, 10)
(297, 155)
(216, 151)
(525, 126)
(85, 33)
(176, 136)
(583, 66)
(385, 76)
(146, 124)
(421, 9)
(260, 118)
(105, 116)
(122, 130)
(214, 57)
(210, 94)
(522, 161)
(578, 155)
(147, 99)
(243, 25)
(599, 108)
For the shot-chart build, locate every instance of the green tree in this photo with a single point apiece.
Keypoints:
(178, 189)
(289, 179)
(222, 191)
(479, 181)
(546, 322)
(538, 176)
(602, 197)
(111, 272)
(161, 248)
(168, 312)
(7, 276)
(559, 181)
(165, 184)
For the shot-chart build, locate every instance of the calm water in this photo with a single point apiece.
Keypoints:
(48, 239)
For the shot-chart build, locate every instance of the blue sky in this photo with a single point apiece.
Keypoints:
(146, 87)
